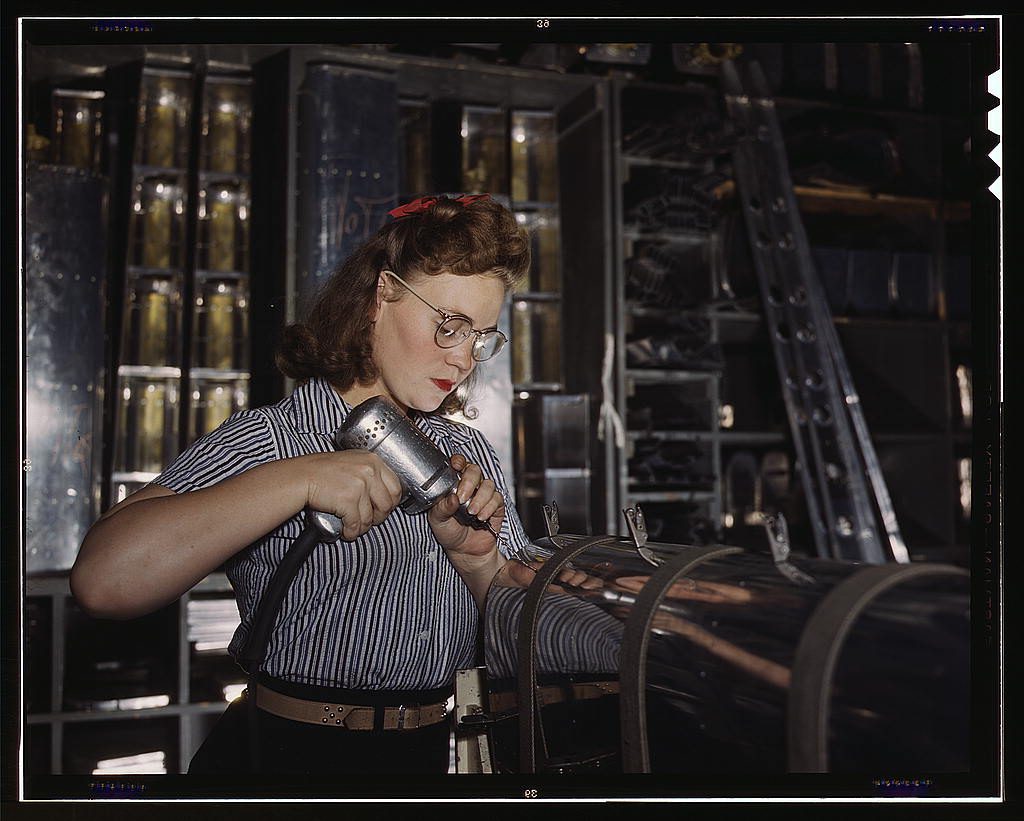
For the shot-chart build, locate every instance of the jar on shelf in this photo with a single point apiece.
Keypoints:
(164, 114)
(226, 126)
(222, 324)
(536, 343)
(534, 149)
(148, 423)
(545, 267)
(223, 226)
(153, 330)
(77, 123)
(213, 400)
(158, 222)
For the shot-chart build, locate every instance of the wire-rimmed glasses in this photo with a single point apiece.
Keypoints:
(454, 329)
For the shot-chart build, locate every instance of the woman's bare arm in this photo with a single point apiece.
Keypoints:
(149, 549)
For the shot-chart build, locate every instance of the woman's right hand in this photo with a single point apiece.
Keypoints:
(354, 485)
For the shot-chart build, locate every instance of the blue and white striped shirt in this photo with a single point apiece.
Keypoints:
(574, 636)
(385, 612)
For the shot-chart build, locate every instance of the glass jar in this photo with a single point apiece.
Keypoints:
(77, 117)
(148, 424)
(222, 324)
(213, 401)
(224, 226)
(536, 343)
(154, 318)
(545, 264)
(158, 222)
(164, 114)
(227, 126)
(534, 152)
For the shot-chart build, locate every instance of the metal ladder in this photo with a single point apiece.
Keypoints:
(847, 500)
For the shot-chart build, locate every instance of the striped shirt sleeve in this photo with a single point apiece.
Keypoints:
(573, 636)
(241, 442)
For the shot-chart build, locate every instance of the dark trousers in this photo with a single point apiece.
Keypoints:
(295, 747)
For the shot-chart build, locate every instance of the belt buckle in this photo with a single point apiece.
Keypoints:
(401, 717)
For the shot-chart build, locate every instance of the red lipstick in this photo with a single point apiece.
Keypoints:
(445, 385)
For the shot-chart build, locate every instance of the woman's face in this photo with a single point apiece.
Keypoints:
(414, 370)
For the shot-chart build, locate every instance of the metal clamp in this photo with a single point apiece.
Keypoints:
(480, 719)
(551, 518)
(638, 530)
(778, 539)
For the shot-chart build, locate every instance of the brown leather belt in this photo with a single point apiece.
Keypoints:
(348, 716)
(554, 693)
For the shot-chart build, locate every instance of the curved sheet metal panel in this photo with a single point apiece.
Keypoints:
(347, 168)
(65, 297)
(721, 659)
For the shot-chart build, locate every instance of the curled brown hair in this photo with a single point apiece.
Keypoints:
(334, 341)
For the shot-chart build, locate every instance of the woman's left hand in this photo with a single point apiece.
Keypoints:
(485, 502)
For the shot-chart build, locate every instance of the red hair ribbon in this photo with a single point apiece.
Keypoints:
(423, 203)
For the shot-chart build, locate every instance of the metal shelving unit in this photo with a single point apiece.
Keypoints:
(192, 718)
(921, 422)
(182, 355)
(219, 350)
(623, 489)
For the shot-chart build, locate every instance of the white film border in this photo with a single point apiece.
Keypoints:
(995, 125)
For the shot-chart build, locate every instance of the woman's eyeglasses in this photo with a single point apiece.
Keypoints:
(455, 329)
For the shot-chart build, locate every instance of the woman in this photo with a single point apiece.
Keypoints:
(373, 628)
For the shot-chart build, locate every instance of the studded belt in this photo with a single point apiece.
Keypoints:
(348, 716)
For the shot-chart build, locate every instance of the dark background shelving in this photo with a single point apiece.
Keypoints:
(640, 154)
